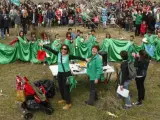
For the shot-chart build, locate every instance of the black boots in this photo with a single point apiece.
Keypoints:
(92, 98)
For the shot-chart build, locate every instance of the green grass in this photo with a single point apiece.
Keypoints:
(108, 101)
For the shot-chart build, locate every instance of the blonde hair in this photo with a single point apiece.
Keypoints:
(25, 13)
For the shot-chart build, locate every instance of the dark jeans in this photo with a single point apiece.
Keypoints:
(64, 21)
(64, 89)
(34, 25)
(6, 29)
(137, 31)
(140, 88)
(88, 24)
(93, 92)
(92, 85)
(127, 27)
(12, 23)
(24, 28)
(94, 25)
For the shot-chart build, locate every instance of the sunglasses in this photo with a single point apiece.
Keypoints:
(64, 48)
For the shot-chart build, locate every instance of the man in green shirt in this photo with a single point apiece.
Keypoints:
(138, 23)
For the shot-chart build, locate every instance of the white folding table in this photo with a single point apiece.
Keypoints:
(76, 70)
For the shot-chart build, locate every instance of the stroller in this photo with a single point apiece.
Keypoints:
(35, 97)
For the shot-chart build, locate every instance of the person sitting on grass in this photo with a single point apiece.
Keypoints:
(72, 33)
(68, 41)
(33, 38)
(45, 40)
(20, 38)
(56, 45)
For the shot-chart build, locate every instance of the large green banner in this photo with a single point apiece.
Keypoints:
(25, 51)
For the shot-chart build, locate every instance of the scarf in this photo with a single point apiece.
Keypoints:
(68, 38)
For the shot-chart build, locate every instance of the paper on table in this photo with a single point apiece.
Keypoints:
(123, 92)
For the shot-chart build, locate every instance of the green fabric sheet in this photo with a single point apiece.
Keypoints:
(26, 51)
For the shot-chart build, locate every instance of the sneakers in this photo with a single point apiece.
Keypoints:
(137, 103)
(61, 102)
(67, 106)
(127, 106)
(88, 103)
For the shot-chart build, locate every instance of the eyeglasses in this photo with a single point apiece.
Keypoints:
(64, 48)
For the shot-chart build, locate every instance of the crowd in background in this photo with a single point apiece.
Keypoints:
(132, 15)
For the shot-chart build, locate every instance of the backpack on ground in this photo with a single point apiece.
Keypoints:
(49, 87)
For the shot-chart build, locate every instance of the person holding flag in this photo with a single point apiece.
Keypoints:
(16, 2)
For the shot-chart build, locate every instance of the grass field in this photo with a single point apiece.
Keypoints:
(108, 101)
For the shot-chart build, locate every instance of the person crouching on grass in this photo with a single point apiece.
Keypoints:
(63, 72)
(94, 72)
(124, 77)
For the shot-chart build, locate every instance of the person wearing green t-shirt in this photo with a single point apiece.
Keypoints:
(94, 72)
(63, 72)
(132, 49)
(56, 45)
(68, 41)
(138, 23)
(157, 51)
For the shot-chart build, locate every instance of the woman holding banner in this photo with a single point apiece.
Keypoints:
(63, 72)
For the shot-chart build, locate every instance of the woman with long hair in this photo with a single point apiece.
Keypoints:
(141, 64)
(56, 45)
(21, 37)
(68, 41)
(63, 72)
(25, 21)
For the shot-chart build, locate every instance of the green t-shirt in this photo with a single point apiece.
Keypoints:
(138, 19)
(65, 61)
(56, 45)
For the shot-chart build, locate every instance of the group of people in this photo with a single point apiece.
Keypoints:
(144, 16)
(141, 64)
(94, 65)
(126, 13)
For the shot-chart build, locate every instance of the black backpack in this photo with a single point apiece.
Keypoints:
(49, 87)
(132, 70)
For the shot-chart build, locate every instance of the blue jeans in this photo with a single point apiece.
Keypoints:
(157, 25)
(127, 100)
(127, 27)
(2, 32)
(49, 22)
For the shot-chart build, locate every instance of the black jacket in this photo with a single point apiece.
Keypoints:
(6, 20)
(71, 57)
(124, 75)
(141, 67)
(24, 20)
(1, 21)
(31, 17)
